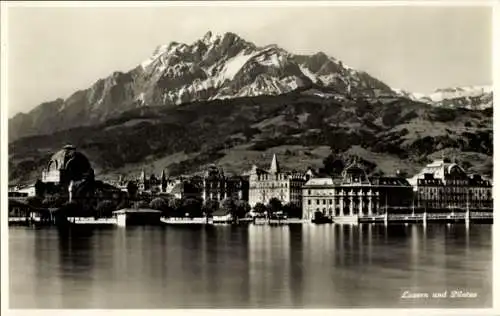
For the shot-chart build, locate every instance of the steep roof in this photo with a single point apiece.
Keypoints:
(389, 181)
(319, 182)
(355, 173)
(438, 168)
(275, 168)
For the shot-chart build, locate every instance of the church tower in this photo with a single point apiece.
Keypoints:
(164, 180)
(274, 165)
(143, 181)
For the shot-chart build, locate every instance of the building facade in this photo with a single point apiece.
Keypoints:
(443, 185)
(154, 184)
(267, 184)
(354, 194)
(218, 187)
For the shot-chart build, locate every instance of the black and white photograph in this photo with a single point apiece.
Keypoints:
(280, 155)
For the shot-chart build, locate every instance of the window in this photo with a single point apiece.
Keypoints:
(317, 202)
(324, 202)
(331, 202)
(309, 202)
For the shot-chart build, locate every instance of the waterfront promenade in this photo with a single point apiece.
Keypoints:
(382, 218)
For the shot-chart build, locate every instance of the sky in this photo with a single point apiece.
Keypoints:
(54, 51)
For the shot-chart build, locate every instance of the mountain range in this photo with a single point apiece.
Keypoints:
(468, 97)
(241, 98)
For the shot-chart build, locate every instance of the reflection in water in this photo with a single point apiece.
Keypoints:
(322, 266)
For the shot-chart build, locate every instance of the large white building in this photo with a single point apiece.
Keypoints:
(273, 183)
(354, 195)
(445, 185)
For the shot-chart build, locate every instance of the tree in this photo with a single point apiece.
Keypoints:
(332, 165)
(71, 209)
(175, 207)
(125, 203)
(192, 207)
(229, 205)
(242, 209)
(275, 205)
(378, 173)
(209, 207)
(132, 189)
(39, 188)
(292, 210)
(260, 208)
(175, 204)
(141, 204)
(105, 208)
(53, 201)
(159, 204)
(34, 201)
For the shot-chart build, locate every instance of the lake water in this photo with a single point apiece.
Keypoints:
(296, 266)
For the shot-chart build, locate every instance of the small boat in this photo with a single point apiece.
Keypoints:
(247, 220)
(319, 218)
(90, 221)
(323, 220)
(186, 220)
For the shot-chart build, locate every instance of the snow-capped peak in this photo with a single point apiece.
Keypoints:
(211, 37)
(219, 66)
(460, 92)
(470, 97)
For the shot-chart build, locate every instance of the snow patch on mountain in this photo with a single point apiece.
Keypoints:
(213, 67)
(460, 92)
(308, 73)
(469, 97)
(234, 65)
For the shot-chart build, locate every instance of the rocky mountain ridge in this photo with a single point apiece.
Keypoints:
(213, 67)
(227, 101)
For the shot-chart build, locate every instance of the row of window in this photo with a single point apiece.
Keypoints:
(269, 185)
(272, 177)
(440, 183)
(457, 182)
(324, 201)
(484, 195)
(453, 189)
(338, 212)
(345, 192)
(445, 205)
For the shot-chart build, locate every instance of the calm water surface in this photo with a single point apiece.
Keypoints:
(296, 266)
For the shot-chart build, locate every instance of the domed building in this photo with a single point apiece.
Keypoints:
(67, 165)
(354, 194)
(355, 174)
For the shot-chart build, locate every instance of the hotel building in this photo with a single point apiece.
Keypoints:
(273, 183)
(354, 194)
(445, 185)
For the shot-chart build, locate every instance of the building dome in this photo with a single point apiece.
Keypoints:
(354, 173)
(213, 171)
(68, 164)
